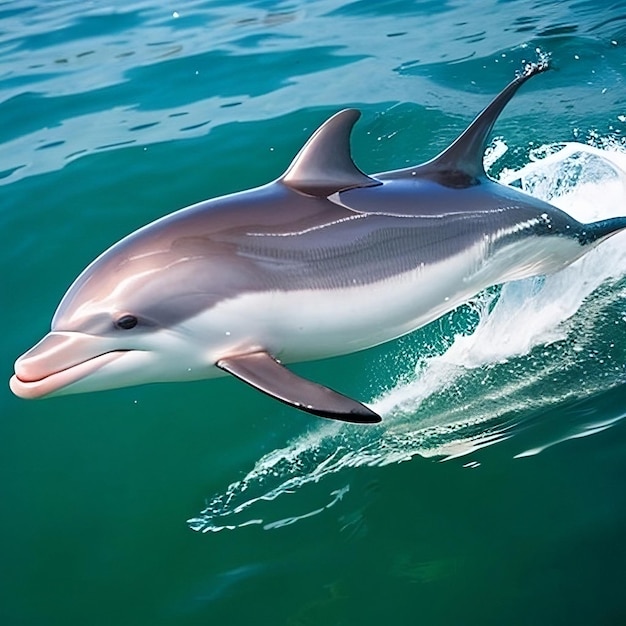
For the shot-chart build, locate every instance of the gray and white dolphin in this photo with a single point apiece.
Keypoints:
(323, 261)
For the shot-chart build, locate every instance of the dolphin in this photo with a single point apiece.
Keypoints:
(323, 261)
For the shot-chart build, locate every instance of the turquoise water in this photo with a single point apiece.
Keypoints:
(493, 493)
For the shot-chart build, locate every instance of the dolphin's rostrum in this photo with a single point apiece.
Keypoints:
(323, 261)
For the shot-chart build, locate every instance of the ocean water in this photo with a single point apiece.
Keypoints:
(493, 491)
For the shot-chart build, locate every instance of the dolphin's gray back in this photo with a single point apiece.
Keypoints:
(393, 229)
(281, 240)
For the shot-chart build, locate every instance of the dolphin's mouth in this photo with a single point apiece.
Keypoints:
(30, 383)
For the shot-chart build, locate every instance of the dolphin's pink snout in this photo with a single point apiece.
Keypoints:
(57, 361)
(54, 353)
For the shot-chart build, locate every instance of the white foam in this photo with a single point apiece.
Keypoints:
(533, 312)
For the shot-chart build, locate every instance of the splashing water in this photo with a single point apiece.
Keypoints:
(526, 345)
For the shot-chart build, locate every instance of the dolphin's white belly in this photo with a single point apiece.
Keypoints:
(311, 324)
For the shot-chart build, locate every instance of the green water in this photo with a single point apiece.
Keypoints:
(114, 114)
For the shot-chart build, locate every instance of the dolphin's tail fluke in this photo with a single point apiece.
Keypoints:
(596, 232)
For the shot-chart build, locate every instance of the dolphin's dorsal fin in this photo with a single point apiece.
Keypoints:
(324, 165)
(465, 155)
(263, 372)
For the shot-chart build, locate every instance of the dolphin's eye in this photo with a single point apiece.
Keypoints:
(126, 322)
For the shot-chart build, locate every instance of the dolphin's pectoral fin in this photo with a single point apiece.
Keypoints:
(324, 165)
(263, 372)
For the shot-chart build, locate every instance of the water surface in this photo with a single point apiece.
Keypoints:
(493, 491)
